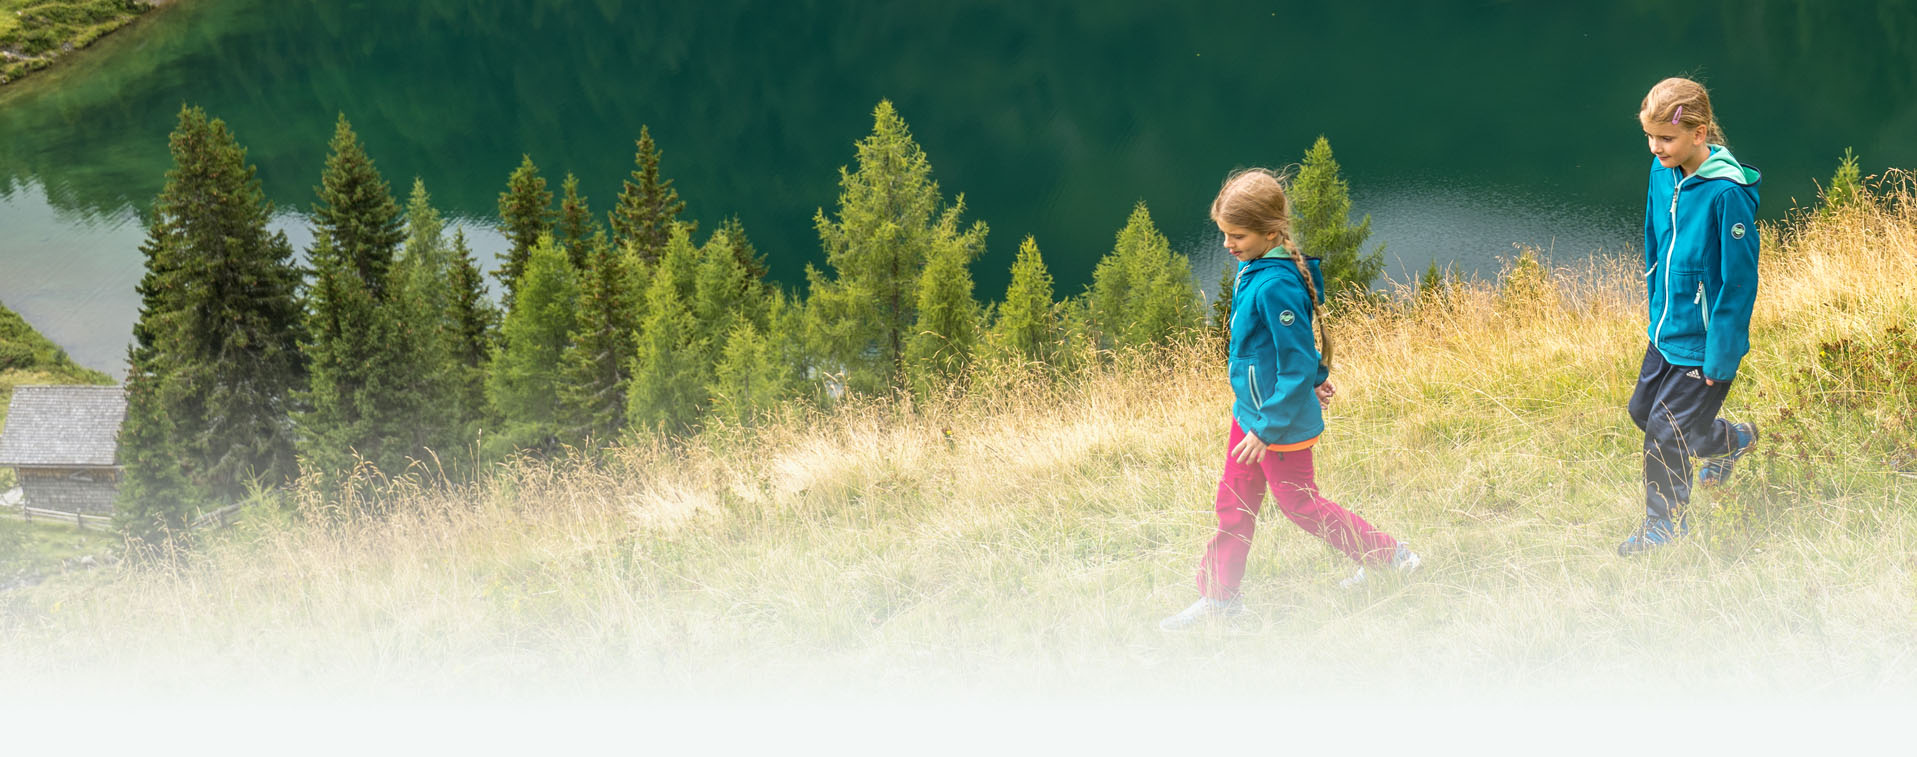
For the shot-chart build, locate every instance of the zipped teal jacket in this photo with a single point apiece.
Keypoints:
(1700, 262)
(1274, 362)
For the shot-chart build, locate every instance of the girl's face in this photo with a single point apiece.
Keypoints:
(1676, 146)
(1245, 244)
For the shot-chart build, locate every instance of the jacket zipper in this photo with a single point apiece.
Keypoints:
(1659, 332)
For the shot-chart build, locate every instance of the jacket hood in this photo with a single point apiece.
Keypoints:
(1722, 165)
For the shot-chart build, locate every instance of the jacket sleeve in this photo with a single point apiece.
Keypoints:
(1729, 336)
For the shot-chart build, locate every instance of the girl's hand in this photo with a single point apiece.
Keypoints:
(1249, 451)
(1325, 392)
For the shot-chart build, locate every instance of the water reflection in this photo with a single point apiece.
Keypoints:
(1463, 126)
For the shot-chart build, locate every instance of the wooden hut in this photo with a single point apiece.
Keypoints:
(63, 443)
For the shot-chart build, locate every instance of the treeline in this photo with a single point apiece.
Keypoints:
(248, 372)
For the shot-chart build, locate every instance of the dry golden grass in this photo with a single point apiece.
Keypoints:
(1032, 549)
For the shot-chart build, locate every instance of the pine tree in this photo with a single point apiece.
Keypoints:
(1846, 185)
(592, 389)
(473, 322)
(1142, 292)
(672, 370)
(523, 384)
(424, 306)
(576, 227)
(749, 380)
(155, 499)
(648, 205)
(356, 210)
(749, 256)
(367, 349)
(724, 293)
(215, 359)
(525, 214)
(861, 317)
(1027, 322)
(947, 328)
(1321, 202)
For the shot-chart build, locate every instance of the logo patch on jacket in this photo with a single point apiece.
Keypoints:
(1694, 374)
(1737, 231)
(1287, 317)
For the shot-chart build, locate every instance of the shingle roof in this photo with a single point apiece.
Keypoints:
(62, 425)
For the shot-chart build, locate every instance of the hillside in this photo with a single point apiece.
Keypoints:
(1022, 539)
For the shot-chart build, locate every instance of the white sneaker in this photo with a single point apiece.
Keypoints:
(1403, 559)
(1204, 608)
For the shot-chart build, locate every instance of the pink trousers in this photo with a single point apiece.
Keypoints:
(1240, 493)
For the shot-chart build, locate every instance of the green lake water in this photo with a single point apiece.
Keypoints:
(1464, 128)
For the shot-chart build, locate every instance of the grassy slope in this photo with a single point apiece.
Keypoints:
(1032, 551)
(47, 25)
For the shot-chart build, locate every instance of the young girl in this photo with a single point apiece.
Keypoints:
(1700, 268)
(1279, 389)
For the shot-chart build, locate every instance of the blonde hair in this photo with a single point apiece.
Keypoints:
(1683, 102)
(1254, 199)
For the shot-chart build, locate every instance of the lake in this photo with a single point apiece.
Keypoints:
(1464, 128)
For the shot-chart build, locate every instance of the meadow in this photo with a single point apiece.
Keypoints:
(1020, 538)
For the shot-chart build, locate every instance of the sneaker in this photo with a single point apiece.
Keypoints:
(1402, 558)
(1654, 533)
(1201, 610)
(1717, 470)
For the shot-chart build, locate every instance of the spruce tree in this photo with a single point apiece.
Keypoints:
(592, 390)
(1846, 185)
(749, 380)
(356, 210)
(215, 359)
(366, 346)
(724, 293)
(423, 278)
(525, 214)
(947, 328)
(576, 227)
(1026, 323)
(861, 316)
(672, 370)
(648, 205)
(524, 382)
(749, 256)
(473, 322)
(1321, 203)
(1142, 292)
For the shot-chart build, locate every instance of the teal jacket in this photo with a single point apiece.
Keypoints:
(1700, 262)
(1274, 361)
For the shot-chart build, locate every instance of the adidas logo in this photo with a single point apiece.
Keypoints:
(1694, 374)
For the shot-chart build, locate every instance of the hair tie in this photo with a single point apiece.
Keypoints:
(1678, 115)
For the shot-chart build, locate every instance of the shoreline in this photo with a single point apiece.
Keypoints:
(16, 66)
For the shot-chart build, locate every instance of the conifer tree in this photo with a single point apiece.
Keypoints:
(1142, 292)
(473, 322)
(154, 499)
(215, 358)
(671, 371)
(749, 256)
(1221, 305)
(749, 380)
(602, 345)
(947, 328)
(860, 317)
(366, 349)
(1027, 323)
(423, 278)
(724, 293)
(356, 210)
(648, 205)
(1846, 185)
(576, 226)
(525, 214)
(1321, 202)
(524, 382)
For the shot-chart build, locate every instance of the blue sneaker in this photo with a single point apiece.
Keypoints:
(1656, 532)
(1717, 470)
